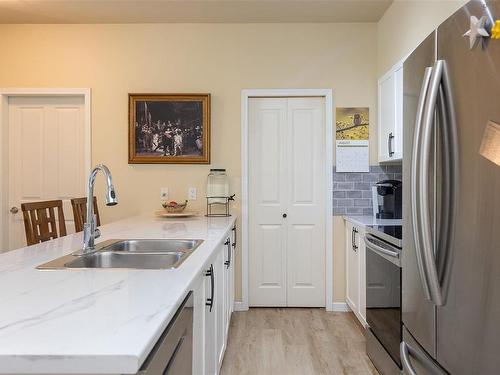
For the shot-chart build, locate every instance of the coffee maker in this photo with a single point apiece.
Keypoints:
(387, 199)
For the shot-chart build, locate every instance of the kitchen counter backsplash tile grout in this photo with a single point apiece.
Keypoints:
(352, 191)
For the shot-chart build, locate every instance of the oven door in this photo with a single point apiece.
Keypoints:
(383, 294)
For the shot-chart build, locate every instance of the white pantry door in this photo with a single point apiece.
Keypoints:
(46, 156)
(286, 202)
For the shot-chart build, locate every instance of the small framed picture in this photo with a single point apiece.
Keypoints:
(169, 129)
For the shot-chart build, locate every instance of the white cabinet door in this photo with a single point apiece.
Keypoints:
(213, 303)
(352, 268)
(228, 284)
(398, 128)
(286, 210)
(199, 325)
(219, 305)
(356, 271)
(234, 243)
(390, 115)
(210, 334)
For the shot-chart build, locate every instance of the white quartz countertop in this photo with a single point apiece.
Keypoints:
(363, 221)
(103, 321)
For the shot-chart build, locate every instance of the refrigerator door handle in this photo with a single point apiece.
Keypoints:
(416, 216)
(428, 251)
(404, 351)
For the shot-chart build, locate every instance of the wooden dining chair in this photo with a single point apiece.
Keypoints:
(80, 212)
(40, 221)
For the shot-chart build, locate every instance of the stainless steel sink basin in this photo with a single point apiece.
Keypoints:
(138, 254)
(152, 246)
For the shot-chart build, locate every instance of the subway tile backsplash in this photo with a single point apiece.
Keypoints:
(352, 191)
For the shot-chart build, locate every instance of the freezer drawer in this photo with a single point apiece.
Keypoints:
(415, 360)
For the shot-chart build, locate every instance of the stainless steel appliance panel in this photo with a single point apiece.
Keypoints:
(379, 356)
(418, 313)
(467, 324)
(173, 353)
(383, 294)
(415, 360)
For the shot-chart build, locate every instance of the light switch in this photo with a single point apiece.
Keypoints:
(192, 193)
(164, 193)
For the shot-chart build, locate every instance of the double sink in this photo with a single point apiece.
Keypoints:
(136, 254)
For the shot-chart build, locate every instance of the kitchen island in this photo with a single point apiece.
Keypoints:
(95, 321)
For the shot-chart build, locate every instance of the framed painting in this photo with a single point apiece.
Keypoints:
(169, 129)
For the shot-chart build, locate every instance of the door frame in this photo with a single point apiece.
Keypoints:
(246, 94)
(5, 94)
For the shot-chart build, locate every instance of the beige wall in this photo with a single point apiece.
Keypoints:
(222, 59)
(405, 24)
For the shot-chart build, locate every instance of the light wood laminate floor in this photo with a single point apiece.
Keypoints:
(295, 341)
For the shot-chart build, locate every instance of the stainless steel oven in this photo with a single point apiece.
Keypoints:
(383, 297)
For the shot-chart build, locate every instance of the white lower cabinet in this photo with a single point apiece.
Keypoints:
(356, 270)
(213, 305)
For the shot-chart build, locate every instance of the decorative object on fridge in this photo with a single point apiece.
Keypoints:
(477, 30)
(352, 139)
(218, 196)
(169, 129)
(495, 30)
(490, 144)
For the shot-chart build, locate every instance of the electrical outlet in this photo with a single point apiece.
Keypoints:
(192, 193)
(164, 193)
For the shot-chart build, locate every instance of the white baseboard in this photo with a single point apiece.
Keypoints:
(340, 307)
(240, 306)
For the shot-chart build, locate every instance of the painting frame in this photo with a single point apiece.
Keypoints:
(136, 156)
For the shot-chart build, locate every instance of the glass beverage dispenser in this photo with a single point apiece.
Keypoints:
(218, 193)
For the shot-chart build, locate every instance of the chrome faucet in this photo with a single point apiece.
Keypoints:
(90, 232)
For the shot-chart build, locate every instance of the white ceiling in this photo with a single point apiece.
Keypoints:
(158, 11)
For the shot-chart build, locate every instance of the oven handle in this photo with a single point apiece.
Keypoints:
(373, 246)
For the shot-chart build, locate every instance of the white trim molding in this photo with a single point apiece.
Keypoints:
(328, 95)
(239, 306)
(5, 94)
(340, 307)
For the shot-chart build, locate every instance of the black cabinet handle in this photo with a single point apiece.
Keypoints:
(284, 216)
(210, 301)
(389, 144)
(235, 232)
(228, 261)
(353, 239)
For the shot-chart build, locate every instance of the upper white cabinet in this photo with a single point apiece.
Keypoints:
(390, 115)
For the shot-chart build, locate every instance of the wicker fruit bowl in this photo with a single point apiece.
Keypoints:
(174, 207)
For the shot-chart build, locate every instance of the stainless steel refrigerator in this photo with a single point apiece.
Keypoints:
(451, 198)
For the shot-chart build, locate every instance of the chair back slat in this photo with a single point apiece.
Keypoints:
(79, 206)
(40, 222)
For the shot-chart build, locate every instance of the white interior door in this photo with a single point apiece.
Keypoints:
(267, 203)
(306, 202)
(286, 202)
(46, 156)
